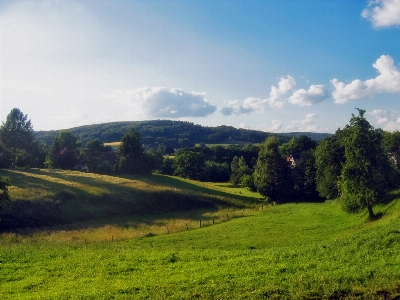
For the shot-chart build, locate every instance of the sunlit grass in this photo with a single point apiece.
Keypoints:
(244, 249)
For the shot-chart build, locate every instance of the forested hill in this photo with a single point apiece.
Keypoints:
(170, 133)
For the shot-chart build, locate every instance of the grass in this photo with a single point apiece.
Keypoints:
(291, 251)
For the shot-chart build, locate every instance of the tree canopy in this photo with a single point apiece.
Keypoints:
(366, 173)
(64, 152)
(16, 134)
(131, 155)
(270, 174)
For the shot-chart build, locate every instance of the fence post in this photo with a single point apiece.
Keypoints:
(200, 223)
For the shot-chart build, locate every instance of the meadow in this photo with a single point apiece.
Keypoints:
(244, 249)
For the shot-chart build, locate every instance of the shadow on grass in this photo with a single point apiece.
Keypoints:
(100, 202)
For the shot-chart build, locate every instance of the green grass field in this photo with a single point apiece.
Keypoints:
(291, 251)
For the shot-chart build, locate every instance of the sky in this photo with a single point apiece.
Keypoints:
(271, 65)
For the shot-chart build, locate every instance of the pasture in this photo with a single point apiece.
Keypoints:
(291, 251)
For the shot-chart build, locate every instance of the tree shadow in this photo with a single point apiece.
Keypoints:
(71, 205)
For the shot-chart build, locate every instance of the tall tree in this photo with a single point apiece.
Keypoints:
(92, 154)
(16, 134)
(64, 152)
(131, 155)
(329, 157)
(366, 173)
(271, 171)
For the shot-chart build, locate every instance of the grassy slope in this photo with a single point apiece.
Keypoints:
(50, 198)
(293, 251)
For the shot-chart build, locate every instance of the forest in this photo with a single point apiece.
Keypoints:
(176, 134)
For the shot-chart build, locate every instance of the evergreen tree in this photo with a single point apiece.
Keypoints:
(16, 134)
(366, 173)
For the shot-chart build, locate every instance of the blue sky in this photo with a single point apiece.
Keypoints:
(275, 66)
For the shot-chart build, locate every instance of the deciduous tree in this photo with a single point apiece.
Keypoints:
(131, 155)
(271, 172)
(64, 152)
(366, 174)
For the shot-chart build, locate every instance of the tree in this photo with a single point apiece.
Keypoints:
(131, 155)
(329, 157)
(64, 152)
(297, 145)
(16, 134)
(92, 154)
(366, 174)
(189, 164)
(5, 200)
(239, 168)
(271, 171)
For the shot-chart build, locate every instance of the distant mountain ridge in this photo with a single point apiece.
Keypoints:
(171, 133)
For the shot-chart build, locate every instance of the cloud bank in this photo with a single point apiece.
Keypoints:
(383, 13)
(388, 81)
(160, 102)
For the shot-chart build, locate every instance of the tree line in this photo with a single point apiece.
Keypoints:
(358, 164)
(175, 134)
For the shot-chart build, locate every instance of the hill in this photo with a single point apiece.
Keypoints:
(171, 133)
(54, 197)
(291, 251)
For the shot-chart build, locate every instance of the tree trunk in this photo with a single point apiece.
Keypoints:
(370, 212)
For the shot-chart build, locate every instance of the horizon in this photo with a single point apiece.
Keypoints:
(273, 66)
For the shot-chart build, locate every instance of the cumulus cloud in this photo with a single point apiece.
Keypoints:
(388, 81)
(315, 94)
(160, 102)
(305, 125)
(252, 104)
(389, 120)
(383, 13)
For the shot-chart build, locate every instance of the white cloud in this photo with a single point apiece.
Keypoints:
(305, 125)
(383, 13)
(315, 94)
(389, 120)
(160, 102)
(388, 81)
(393, 125)
(276, 125)
(252, 104)
(284, 86)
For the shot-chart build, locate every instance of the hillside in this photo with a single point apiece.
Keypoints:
(54, 197)
(291, 251)
(171, 133)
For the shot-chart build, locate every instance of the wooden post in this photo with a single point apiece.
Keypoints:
(213, 221)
